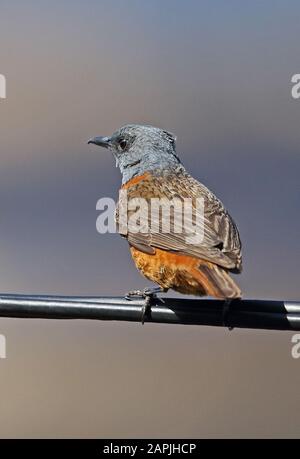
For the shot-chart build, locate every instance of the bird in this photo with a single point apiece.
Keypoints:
(151, 169)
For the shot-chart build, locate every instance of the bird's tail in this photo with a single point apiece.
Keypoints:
(216, 281)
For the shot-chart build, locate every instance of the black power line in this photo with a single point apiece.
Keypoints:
(259, 314)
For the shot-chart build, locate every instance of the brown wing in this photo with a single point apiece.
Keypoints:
(220, 242)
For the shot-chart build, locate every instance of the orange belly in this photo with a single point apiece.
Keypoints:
(182, 273)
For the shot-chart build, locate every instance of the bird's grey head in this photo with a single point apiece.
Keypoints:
(138, 149)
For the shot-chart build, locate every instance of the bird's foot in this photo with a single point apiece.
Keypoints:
(148, 294)
(225, 313)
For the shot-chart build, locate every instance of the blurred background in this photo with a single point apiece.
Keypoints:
(216, 73)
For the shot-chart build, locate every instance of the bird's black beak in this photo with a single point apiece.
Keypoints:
(100, 141)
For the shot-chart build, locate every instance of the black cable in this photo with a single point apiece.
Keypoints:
(257, 314)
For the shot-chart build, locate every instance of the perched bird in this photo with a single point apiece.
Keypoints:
(150, 169)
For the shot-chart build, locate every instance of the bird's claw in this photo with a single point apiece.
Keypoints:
(148, 294)
(134, 293)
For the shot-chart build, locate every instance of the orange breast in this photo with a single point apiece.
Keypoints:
(135, 180)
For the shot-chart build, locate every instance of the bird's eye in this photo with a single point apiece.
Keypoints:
(123, 144)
